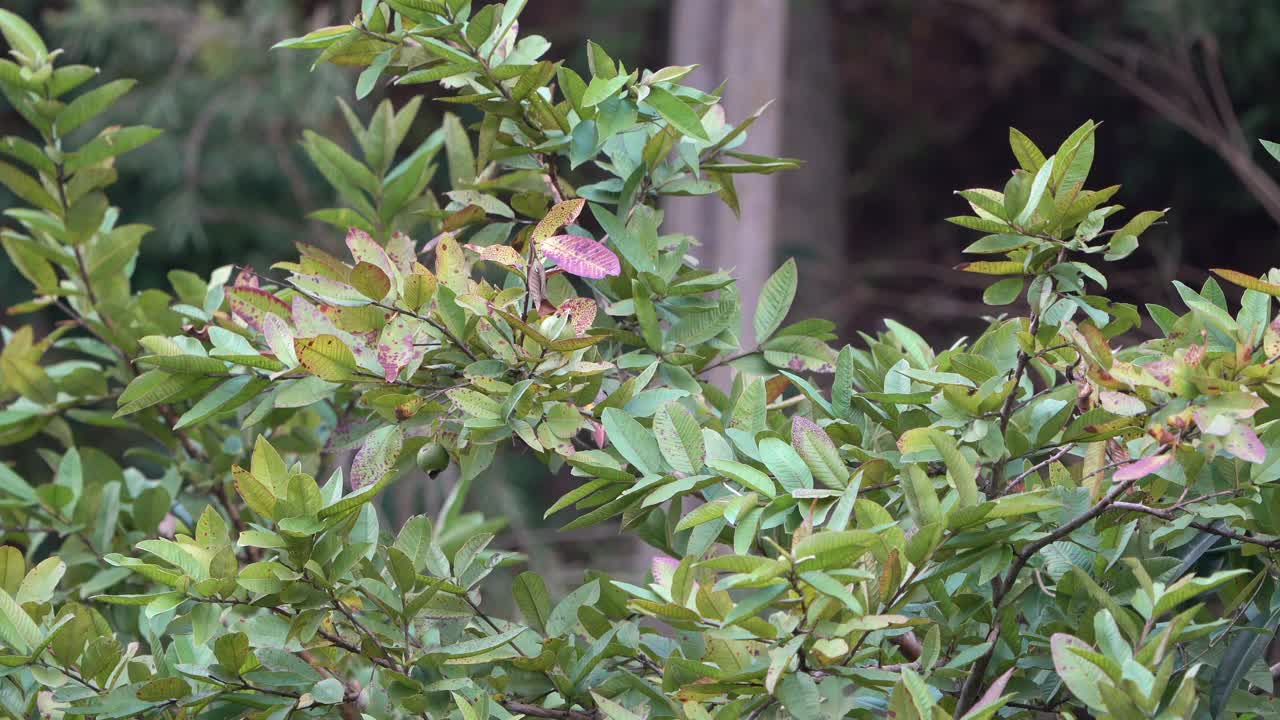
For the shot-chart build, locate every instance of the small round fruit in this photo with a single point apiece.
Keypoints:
(432, 458)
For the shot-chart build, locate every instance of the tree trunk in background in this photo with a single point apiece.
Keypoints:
(811, 204)
(748, 39)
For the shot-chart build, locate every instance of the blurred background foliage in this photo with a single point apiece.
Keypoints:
(892, 103)
(918, 92)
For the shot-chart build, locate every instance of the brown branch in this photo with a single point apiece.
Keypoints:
(1220, 140)
(540, 712)
(1057, 455)
(972, 686)
(1168, 514)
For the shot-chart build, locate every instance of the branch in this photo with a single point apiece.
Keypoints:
(1057, 455)
(1168, 514)
(540, 712)
(973, 683)
(1222, 140)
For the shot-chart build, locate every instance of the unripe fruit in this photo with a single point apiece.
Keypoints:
(432, 458)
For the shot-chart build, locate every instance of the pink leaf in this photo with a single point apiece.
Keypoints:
(801, 426)
(1141, 468)
(581, 310)
(246, 278)
(377, 456)
(1243, 442)
(664, 569)
(991, 695)
(309, 320)
(365, 249)
(395, 347)
(253, 305)
(401, 250)
(280, 339)
(581, 256)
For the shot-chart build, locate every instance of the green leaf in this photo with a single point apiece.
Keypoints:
(1030, 158)
(164, 688)
(369, 76)
(565, 615)
(110, 143)
(13, 568)
(21, 36)
(753, 603)
(17, 629)
(963, 474)
(327, 357)
(457, 147)
(679, 438)
(193, 560)
(151, 388)
(27, 188)
(1080, 676)
(533, 600)
(90, 104)
(1003, 292)
(1246, 648)
(776, 296)
(1038, 186)
(921, 499)
(704, 513)
(746, 476)
(601, 89)
(636, 444)
(255, 494)
(786, 465)
(1189, 587)
(675, 111)
(39, 584)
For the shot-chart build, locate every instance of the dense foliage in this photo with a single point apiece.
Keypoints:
(1033, 522)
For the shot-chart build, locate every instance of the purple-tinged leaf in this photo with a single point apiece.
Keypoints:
(253, 305)
(664, 570)
(402, 251)
(819, 453)
(365, 249)
(1243, 442)
(582, 311)
(991, 696)
(377, 456)
(395, 347)
(310, 321)
(246, 278)
(331, 291)
(801, 426)
(1211, 423)
(280, 339)
(581, 256)
(1141, 468)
